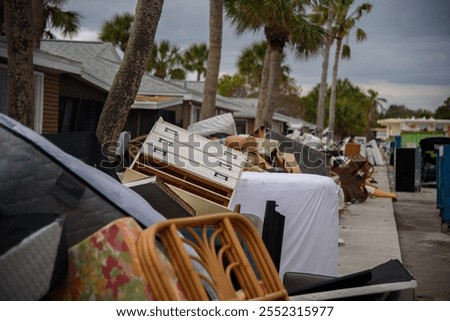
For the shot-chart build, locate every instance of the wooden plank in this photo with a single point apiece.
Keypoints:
(202, 206)
(185, 175)
(288, 162)
(162, 198)
(183, 184)
(131, 175)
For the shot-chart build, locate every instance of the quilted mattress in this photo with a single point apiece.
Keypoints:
(37, 177)
(33, 255)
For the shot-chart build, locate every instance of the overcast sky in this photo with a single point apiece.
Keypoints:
(406, 57)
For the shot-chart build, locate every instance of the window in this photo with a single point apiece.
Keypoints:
(3, 90)
(195, 114)
(38, 101)
(78, 114)
(38, 96)
(241, 126)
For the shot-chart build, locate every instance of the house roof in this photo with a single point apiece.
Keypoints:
(413, 120)
(243, 107)
(156, 102)
(98, 62)
(47, 60)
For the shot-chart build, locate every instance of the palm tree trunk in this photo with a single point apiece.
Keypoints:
(38, 22)
(128, 79)
(214, 56)
(371, 113)
(325, 63)
(273, 88)
(262, 98)
(332, 115)
(19, 32)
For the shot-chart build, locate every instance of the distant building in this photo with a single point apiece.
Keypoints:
(397, 126)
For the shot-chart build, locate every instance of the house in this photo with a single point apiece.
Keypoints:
(73, 78)
(396, 126)
(245, 118)
(244, 112)
(48, 71)
(100, 63)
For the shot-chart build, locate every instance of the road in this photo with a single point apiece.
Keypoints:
(425, 249)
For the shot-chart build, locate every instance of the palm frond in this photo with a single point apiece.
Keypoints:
(346, 52)
(307, 38)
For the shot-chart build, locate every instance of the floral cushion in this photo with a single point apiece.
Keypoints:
(105, 266)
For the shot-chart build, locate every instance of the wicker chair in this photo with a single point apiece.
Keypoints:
(216, 257)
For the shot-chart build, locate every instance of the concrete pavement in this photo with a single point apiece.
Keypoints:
(369, 231)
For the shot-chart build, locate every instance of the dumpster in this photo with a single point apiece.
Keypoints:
(407, 169)
(429, 149)
(443, 183)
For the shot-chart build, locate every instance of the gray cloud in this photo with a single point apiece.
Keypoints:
(408, 40)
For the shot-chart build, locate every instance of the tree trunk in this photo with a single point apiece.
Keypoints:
(127, 80)
(262, 98)
(273, 89)
(323, 81)
(38, 22)
(371, 114)
(332, 115)
(2, 17)
(214, 56)
(19, 32)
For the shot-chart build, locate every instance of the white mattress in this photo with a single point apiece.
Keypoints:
(310, 205)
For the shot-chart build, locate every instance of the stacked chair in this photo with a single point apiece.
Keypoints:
(211, 257)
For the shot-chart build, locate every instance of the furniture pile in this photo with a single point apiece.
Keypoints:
(184, 222)
(354, 172)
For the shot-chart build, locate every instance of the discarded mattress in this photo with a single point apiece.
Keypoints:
(37, 177)
(377, 158)
(310, 206)
(221, 124)
(33, 255)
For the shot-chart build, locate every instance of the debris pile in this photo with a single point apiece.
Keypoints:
(181, 176)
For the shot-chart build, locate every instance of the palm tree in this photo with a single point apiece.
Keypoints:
(263, 89)
(214, 57)
(164, 57)
(48, 15)
(344, 23)
(375, 102)
(325, 16)
(127, 80)
(251, 61)
(194, 59)
(24, 23)
(177, 73)
(67, 22)
(118, 30)
(284, 23)
(19, 31)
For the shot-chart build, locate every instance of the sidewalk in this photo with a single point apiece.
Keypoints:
(369, 231)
